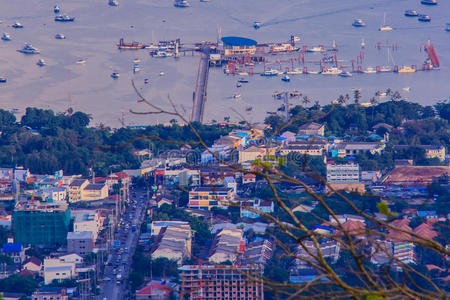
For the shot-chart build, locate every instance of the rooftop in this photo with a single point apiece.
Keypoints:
(238, 41)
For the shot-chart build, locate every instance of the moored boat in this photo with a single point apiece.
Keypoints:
(64, 18)
(270, 73)
(295, 72)
(17, 25)
(236, 96)
(113, 3)
(136, 68)
(424, 18)
(115, 75)
(448, 27)
(243, 80)
(286, 78)
(316, 49)
(56, 9)
(181, 3)
(60, 36)
(332, 71)
(385, 69)
(358, 23)
(406, 69)
(28, 49)
(6, 36)
(41, 62)
(385, 27)
(3, 79)
(81, 61)
(257, 24)
(411, 13)
(369, 70)
(429, 2)
(346, 74)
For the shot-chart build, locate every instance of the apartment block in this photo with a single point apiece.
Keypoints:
(54, 268)
(173, 243)
(227, 245)
(87, 220)
(80, 243)
(209, 197)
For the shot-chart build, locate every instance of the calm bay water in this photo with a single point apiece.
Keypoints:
(98, 27)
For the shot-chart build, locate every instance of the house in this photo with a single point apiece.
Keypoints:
(250, 154)
(354, 148)
(174, 243)
(76, 188)
(50, 293)
(257, 205)
(94, 191)
(154, 291)
(81, 242)
(71, 258)
(312, 128)
(87, 220)
(33, 264)
(302, 149)
(289, 136)
(330, 249)
(434, 151)
(226, 246)
(163, 201)
(15, 251)
(57, 269)
(248, 178)
(157, 226)
(209, 197)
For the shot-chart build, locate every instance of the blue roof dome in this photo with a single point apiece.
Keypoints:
(238, 41)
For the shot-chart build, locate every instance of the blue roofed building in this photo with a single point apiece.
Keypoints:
(234, 45)
(15, 251)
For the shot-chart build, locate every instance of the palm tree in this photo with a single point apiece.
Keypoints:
(388, 92)
(226, 119)
(306, 100)
(347, 97)
(373, 101)
(316, 105)
(341, 100)
(396, 96)
(357, 96)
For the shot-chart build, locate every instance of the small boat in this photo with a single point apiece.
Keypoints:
(15, 110)
(3, 79)
(315, 49)
(312, 72)
(429, 2)
(369, 70)
(64, 18)
(81, 61)
(448, 27)
(286, 78)
(60, 36)
(406, 69)
(136, 60)
(407, 89)
(6, 36)
(236, 96)
(113, 3)
(41, 62)
(205, 0)
(270, 73)
(249, 108)
(424, 18)
(257, 24)
(295, 39)
(332, 71)
(295, 72)
(162, 54)
(17, 25)
(385, 69)
(238, 85)
(384, 27)
(146, 80)
(346, 74)
(181, 3)
(363, 44)
(358, 23)
(28, 49)
(56, 9)
(242, 73)
(411, 13)
(136, 68)
(162, 73)
(243, 80)
(115, 75)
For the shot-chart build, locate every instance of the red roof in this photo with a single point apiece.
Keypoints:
(148, 290)
(249, 176)
(425, 230)
(402, 224)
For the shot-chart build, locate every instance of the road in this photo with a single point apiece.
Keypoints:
(119, 260)
(200, 87)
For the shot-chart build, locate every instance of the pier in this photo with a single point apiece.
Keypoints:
(199, 96)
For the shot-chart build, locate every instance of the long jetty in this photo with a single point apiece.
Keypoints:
(199, 96)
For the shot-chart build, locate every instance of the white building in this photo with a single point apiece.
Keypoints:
(57, 269)
(345, 173)
(87, 220)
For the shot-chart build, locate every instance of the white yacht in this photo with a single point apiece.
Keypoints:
(369, 70)
(385, 69)
(295, 72)
(6, 36)
(346, 74)
(41, 62)
(270, 72)
(384, 27)
(316, 49)
(332, 71)
(28, 49)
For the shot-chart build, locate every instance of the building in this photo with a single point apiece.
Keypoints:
(231, 183)
(15, 251)
(57, 194)
(354, 148)
(250, 154)
(154, 291)
(414, 176)
(183, 177)
(259, 252)
(75, 189)
(221, 152)
(312, 128)
(256, 205)
(226, 246)
(342, 173)
(50, 293)
(32, 264)
(233, 45)
(94, 191)
(57, 269)
(174, 243)
(220, 282)
(39, 223)
(330, 249)
(304, 149)
(248, 178)
(209, 197)
(87, 220)
(80, 242)
(156, 226)
(434, 151)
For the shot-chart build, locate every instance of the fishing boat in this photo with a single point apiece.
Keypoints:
(429, 2)
(41, 62)
(113, 3)
(81, 61)
(406, 69)
(249, 108)
(136, 60)
(6, 36)
(295, 72)
(358, 23)
(181, 3)
(146, 80)
(270, 73)
(257, 24)
(383, 26)
(385, 69)
(332, 71)
(64, 18)
(129, 46)
(28, 49)
(3, 79)
(424, 18)
(162, 73)
(346, 74)
(56, 9)
(243, 80)
(315, 49)
(60, 36)
(136, 68)
(286, 78)
(238, 85)
(17, 25)
(115, 75)
(369, 70)
(411, 13)
(236, 96)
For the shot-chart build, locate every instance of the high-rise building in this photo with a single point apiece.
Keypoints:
(39, 223)
(220, 282)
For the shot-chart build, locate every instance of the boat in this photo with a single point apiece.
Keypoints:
(115, 75)
(448, 27)
(160, 53)
(113, 3)
(41, 62)
(14, 110)
(384, 27)
(369, 70)
(411, 13)
(249, 108)
(136, 68)
(332, 71)
(407, 89)
(429, 2)
(3, 79)
(28, 49)
(136, 60)
(6, 36)
(133, 45)
(181, 3)
(162, 73)
(238, 85)
(17, 25)
(313, 72)
(424, 18)
(257, 24)
(363, 44)
(146, 80)
(270, 73)
(385, 69)
(295, 72)
(406, 69)
(64, 18)
(236, 96)
(295, 39)
(60, 36)
(56, 9)
(346, 74)
(315, 49)
(81, 61)
(286, 78)
(243, 73)
(205, 0)
(243, 80)
(358, 23)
